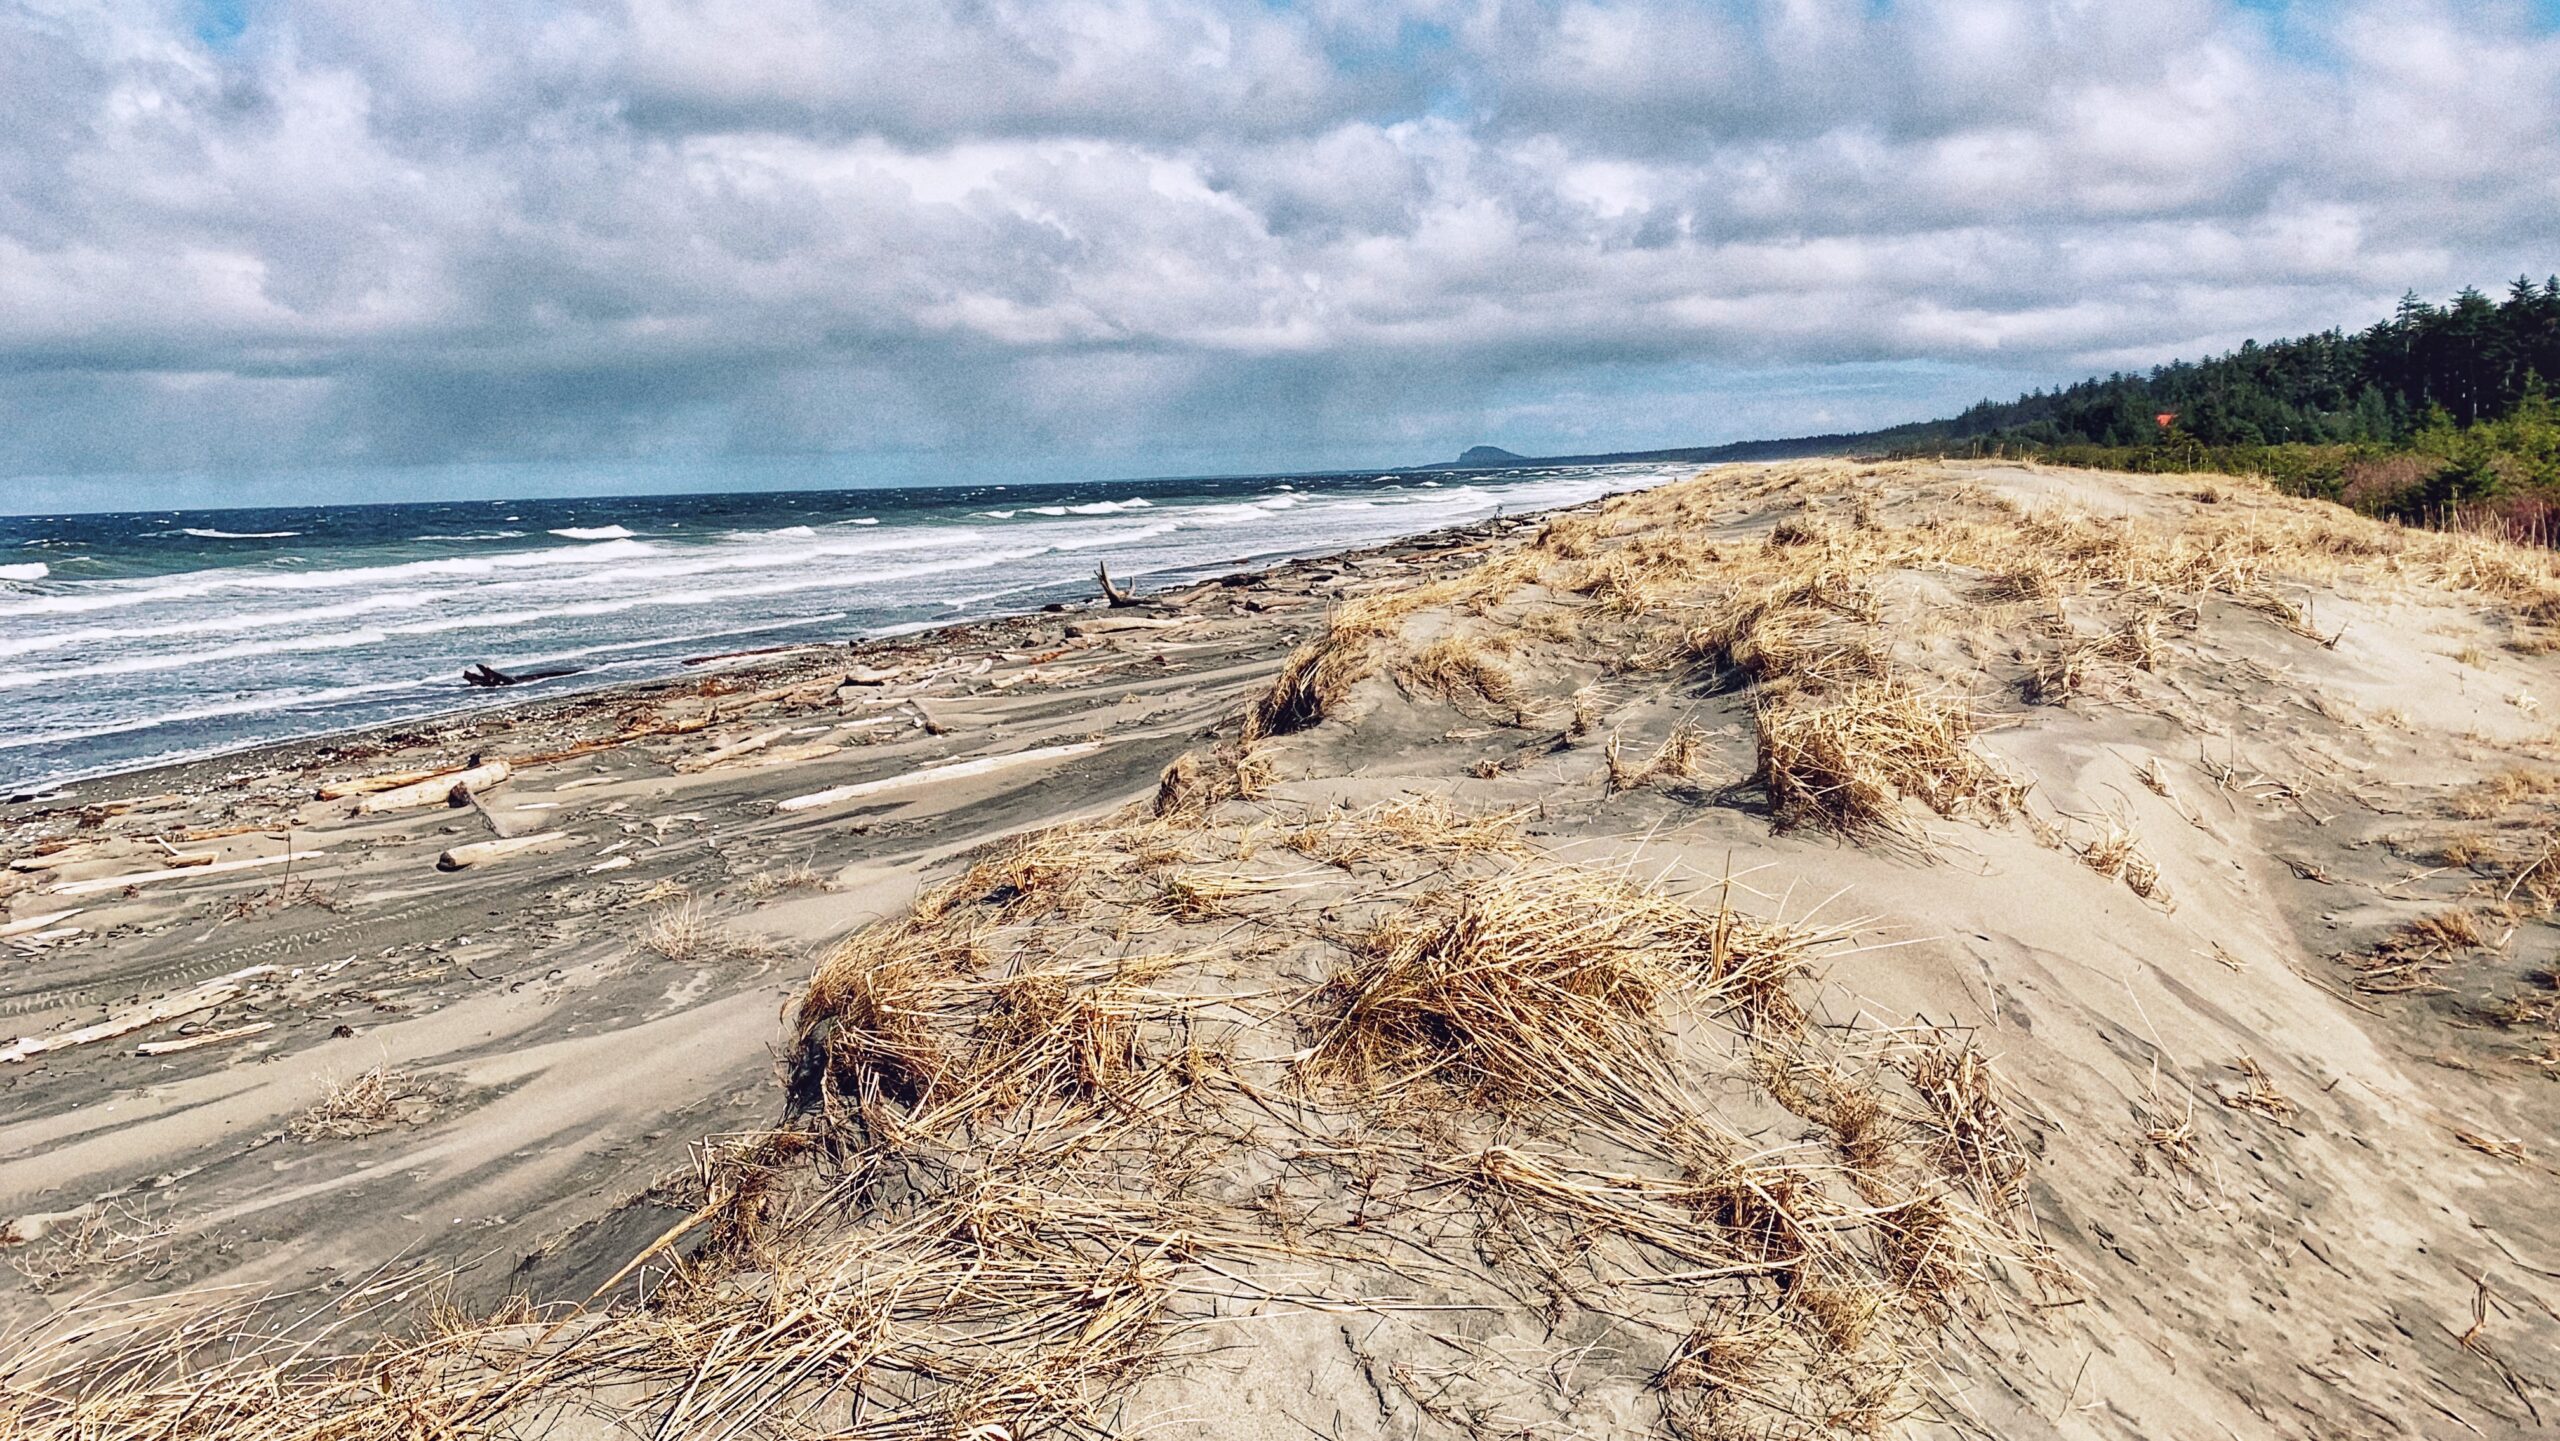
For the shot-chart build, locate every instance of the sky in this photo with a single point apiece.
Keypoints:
(258, 250)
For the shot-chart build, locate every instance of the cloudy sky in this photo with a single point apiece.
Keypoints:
(1001, 239)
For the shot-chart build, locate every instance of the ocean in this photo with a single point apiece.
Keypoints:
(136, 639)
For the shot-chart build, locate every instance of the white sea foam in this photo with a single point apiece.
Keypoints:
(37, 571)
(1101, 538)
(237, 654)
(188, 585)
(224, 624)
(238, 534)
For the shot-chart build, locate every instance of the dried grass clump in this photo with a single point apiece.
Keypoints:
(2504, 791)
(1847, 759)
(1969, 1134)
(82, 1247)
(1674, 761)
(2117, 854)
(1197, 782)
(376, 1100)
(1519, 994)
(2257, 1091)
(1749, 971)
(1812, 630)
(869, 1024)
(1797, 530)
(1542, 993)
(764, 885)
(1428, 823)
(2078, 667)
(1571, 537)
(686, 934)
(1311, 685)
(1319, 676)
(1423, 826)
(681, 933)
(1455, 667)
(2408, 961)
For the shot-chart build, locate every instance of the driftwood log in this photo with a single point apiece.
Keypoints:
(1115, 595)
(486, 678)
(434, 791)
(465, 856)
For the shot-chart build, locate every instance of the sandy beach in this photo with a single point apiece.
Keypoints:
(576, 1013)
(1826, 949)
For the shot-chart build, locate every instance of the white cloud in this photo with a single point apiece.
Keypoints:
(1205, 228)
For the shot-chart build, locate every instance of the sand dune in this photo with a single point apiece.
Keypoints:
(1812, 950)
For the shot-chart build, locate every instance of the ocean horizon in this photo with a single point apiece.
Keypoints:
(132, 639)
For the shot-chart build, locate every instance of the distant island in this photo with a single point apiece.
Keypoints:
(1494, 457)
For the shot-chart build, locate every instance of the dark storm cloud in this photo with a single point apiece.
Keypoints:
(1124, 229)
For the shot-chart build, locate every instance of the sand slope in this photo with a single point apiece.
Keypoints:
(1814, 950)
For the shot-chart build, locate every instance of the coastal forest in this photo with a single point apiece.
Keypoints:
(2439, 413)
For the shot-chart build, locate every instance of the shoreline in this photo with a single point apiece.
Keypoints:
(112, 786)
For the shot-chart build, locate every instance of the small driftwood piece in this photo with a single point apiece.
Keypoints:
(934, 774)
(32, 924)
(732, 751)
(208, 1038)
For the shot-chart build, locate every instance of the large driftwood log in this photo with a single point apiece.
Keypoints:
(465, 856)
(434, 792)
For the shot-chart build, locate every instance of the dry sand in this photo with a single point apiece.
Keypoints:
(571, 1065)
(1814, 950)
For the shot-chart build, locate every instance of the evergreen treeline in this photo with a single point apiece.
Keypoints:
(2436, 408)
